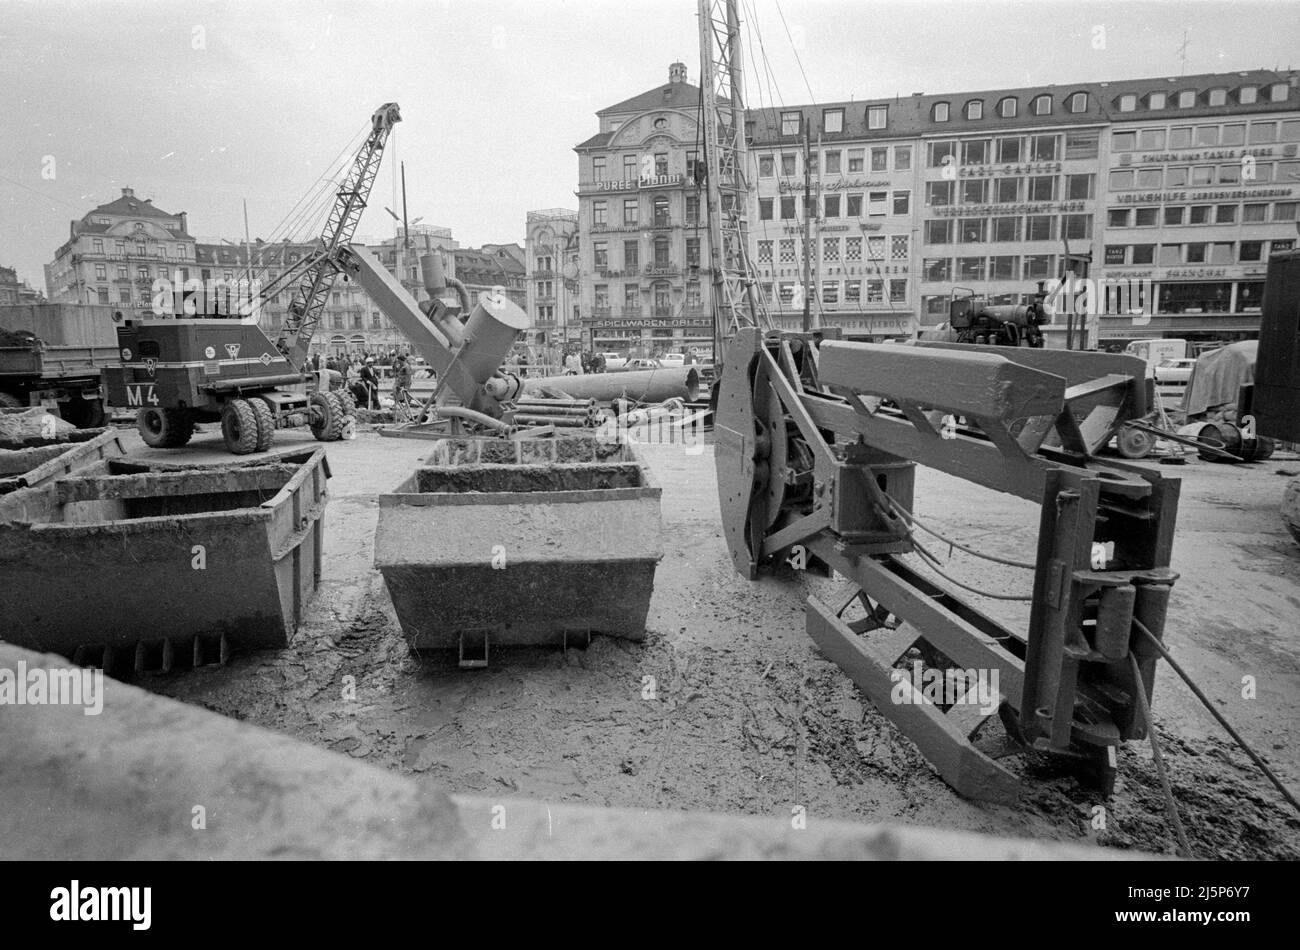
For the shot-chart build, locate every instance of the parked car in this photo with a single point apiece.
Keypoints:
(613, 361)
(674, 359)
(1174, 370)
(640, 363)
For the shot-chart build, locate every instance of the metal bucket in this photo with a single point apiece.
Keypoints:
(152, 566)
(527, 542)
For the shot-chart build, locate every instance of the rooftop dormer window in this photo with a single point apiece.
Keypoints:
(1043, 105)
(1128, 103)
(1278, 92)
(1079, 102)
(1248, 95)
(790, 123)
(940, 112)
(1217, 97)
(1186, 99)
(877, 117)
(975, 109)
(1008, 107)
(1156, 100)
(832, 120)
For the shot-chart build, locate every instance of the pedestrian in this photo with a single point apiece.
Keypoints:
(370, 380)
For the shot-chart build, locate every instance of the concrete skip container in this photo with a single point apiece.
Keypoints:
(526, 542)
(150, 566)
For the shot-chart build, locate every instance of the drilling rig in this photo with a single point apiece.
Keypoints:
(816, 452)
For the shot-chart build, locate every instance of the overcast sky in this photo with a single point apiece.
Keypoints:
(200, 106)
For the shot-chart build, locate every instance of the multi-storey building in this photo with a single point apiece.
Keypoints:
(1185, 183)
(15, 291)
(492, 267)
(115, 252)
(643, 283)
(553, 261)
(861, 171)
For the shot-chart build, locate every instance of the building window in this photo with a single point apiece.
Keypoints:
(787, 207)
(661, 219)
(1009, 150)
(787, 251)
(1248, 95)
(898, 291)
(940, 154)
(1277, 92)
(788, 164)
(877, 117)
(1006, 190)
(833, 121)
(600, 254)
(693, 299)
(1077, 227)
(631, 297)
(899, 247)
(1253, 214)
(1218, 97)
(1043, 105)
(1008, 106)
(971, 231)
(1186, 99)
(765, 252)
(832, 206)
(830, 291)
(663, 299)
(902, 202)
(936, 269)
(790, 123)
(1040, 227)
(661, 251)
(121, 268)
(1284, 211)
(1173, 215)
(692, 210)
(599, 210)
(1157, 100)
(142, 272)
(833, 162)
(852, 249)
(875, 291)
(1146, 217)
(765, 209)
(101, 272)
(1251, 251)
(876, 201)
(975, 152)
(875, 248)
(1042, 148)
(1233, 134)
(598, 167)
(1042, 188)
(975, 109)
(970, 268)
(693, 252)
(855, 160)
(852, 291)
(1079, 102)
(902, 158)
(1081, 145)
(631, 255)
(940, 112)
(974, 191)
(938, 231)
(880, 159)
(766, 166)
(630, 168)
(631, 211)
(1128, 103)
(1038, 265)
(101, 294)
(853, 206)
(124, 295)
(831, 250)
(1263, 133)
(1006, 229)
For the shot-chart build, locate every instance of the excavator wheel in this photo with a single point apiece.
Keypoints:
(327, 422)
(265, 423)
(239, 427)
(164, 428)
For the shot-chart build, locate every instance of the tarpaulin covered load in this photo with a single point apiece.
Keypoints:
(1218, 375)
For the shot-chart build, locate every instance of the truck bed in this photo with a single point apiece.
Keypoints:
(55, 362)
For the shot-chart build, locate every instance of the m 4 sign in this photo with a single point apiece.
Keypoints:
(145, 394)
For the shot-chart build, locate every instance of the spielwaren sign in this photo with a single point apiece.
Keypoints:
(652, 323)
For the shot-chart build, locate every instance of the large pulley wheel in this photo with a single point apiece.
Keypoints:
(741, 451)
(1134, 443)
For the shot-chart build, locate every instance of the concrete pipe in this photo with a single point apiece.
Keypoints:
(651, 385)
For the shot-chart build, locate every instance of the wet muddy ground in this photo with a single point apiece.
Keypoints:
(728, 705)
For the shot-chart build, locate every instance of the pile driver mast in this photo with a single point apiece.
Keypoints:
(735, 301)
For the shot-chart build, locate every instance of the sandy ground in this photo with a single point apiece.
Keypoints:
(728, 706)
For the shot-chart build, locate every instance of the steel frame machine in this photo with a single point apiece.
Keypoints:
(818, 449)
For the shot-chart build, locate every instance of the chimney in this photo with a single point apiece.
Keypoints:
(677, 72)
(128, 192)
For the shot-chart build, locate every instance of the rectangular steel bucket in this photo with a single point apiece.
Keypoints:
(152, 566)
(521, 552)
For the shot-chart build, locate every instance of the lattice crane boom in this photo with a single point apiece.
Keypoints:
(350, 201)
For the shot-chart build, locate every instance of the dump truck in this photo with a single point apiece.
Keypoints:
(52, 355)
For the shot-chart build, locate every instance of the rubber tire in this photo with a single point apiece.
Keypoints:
(239, 427)
(1134, 443)
(265, 423)
(164, 428)
(328, 427)
(345, 399)
(83, 413)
